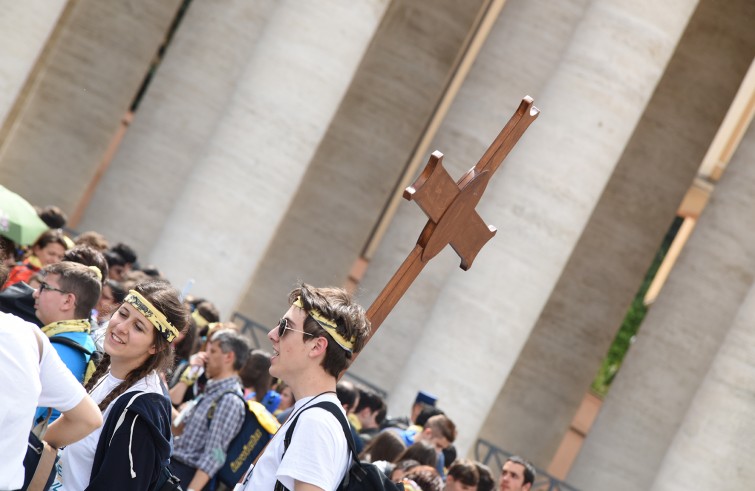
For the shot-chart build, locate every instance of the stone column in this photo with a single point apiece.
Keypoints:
(677, 342)
(619, 242)
(188, 97)
(246, 175)
(540, 203)
(352, 173)
(716, 440)
(25, 27)
(88, 78)
(492, 91)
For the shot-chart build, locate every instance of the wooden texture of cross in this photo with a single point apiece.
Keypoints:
(450, 208)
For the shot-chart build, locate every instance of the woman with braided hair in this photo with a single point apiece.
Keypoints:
(134, 443)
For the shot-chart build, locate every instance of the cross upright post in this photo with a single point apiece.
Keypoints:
(450, 208)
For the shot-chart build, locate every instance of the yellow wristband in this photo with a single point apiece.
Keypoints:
(189, 376)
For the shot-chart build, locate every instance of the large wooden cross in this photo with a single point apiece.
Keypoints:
(450, 208)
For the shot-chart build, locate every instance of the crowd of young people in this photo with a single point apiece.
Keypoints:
(139, 376)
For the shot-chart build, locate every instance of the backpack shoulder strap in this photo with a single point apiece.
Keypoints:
(70, 343)
(214, 405)
(333, 409)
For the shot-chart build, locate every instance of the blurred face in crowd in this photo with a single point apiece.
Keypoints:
(116, 272)
(217, 361)
(106, 304)
(512, 478)
(50, 254)
(287, 398)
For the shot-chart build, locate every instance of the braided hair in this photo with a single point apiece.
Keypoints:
(166, 299)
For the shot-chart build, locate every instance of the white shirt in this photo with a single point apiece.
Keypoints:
(318, 453)
(77, 459)
(27, 383)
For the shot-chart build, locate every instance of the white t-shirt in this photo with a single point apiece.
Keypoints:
(76, 462)
(318, 453)
(25, 383)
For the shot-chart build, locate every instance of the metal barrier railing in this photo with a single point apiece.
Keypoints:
(258, 334)
(494, 457)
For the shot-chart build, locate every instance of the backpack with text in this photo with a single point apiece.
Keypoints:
(361, 476)
(256, 430)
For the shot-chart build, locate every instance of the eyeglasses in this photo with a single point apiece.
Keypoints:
(44, 286)
(283, 325)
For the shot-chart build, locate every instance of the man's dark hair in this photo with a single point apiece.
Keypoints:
(125, 251)
(486, 482)
(449, 454)
(255, 374)
(426, 478)
(347, 394)
(529, 469)
(79, 280)
(230, 340)
(441, 424)
(92, 239)
(52, 216)
(422, 452)
(88, 256)
(372, 400)
(114, 259)
(465, 471)
(427, 413)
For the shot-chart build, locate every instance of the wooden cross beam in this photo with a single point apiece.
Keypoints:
(450, 208)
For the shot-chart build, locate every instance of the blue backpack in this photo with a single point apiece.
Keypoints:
(256, 430)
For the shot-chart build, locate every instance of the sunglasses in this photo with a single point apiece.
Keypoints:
(283, 325)
(44, 286)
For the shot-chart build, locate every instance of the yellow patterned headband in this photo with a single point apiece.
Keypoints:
(199, 320)
(329, 325)
(153, 315)
(96, 271)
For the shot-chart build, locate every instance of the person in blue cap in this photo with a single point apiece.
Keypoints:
(422, 401)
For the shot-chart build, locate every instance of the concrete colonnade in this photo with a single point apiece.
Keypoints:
(540, 203)
(623, 234)
(84, 84)
(265, 123)
(676, 344)
(713, 446)
(393, 94)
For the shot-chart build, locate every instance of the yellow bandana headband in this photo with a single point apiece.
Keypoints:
(153, 315)
(329, 325)
(199, 320)
(96, 271)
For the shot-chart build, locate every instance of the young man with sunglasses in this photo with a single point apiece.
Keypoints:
(312, 344)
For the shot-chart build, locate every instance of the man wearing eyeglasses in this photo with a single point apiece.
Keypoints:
(312, 344)
(63, 303)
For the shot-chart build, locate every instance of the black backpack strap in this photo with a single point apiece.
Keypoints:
(333, 409)
(70, 343)
(211, 410)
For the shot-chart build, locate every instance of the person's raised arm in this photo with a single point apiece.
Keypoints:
(190, 375)
(74, 424)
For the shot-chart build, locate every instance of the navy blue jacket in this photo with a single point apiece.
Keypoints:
(140, 444)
